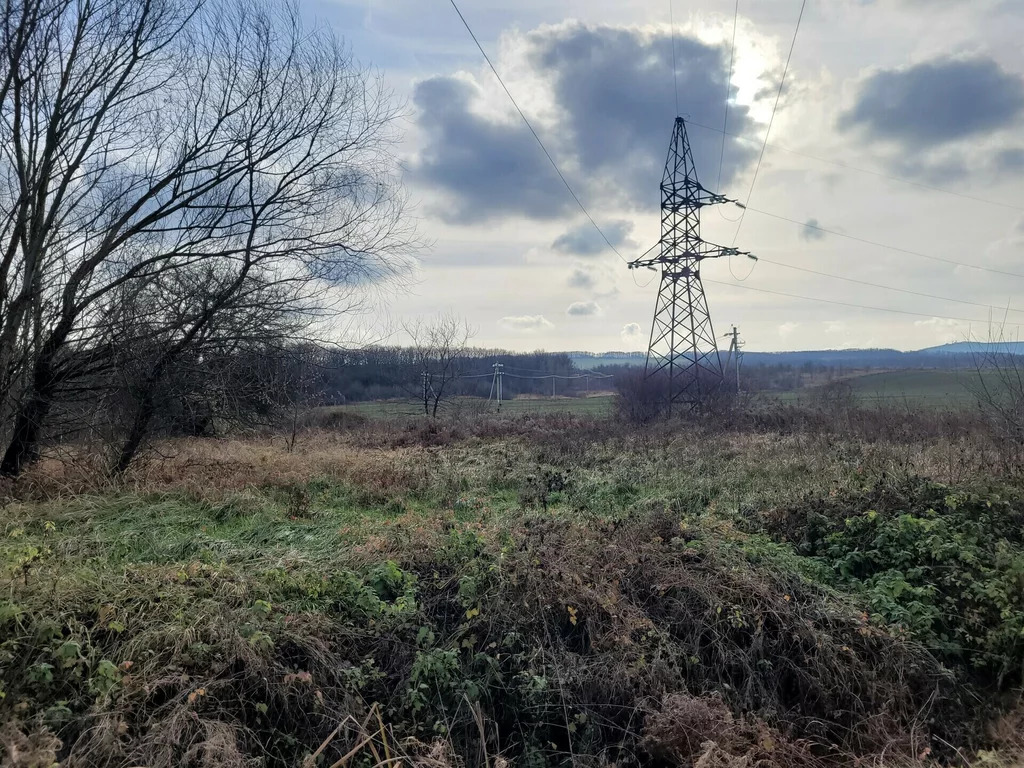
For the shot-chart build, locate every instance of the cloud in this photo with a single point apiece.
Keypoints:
(810, 230)
(941, 323)
(787, 328)
(835, 326)
(488, 168)
(585, 240)
(1009, 161)
(632, 334)
(581, 277)
(1004, 253)
(598, 278)
(583, 309)
(936, 101)
(601, 98)
(940, 170)
(526, 323)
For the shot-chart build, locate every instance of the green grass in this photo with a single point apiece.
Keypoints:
(926, 388)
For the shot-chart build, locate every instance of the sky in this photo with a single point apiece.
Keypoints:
(901, 96)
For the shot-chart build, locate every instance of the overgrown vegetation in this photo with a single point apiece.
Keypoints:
(541, 590)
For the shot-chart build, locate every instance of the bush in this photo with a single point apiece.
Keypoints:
(946, 567)
(639, 399)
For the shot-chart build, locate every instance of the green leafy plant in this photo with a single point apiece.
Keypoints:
(947, 568)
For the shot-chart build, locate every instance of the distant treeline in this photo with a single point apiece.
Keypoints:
(381, 373)
(948, 357)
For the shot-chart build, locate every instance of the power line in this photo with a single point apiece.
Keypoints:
(675, 69)
(728, 92)
(879, 244)
(858, 169)
(857, 306)
(771, 120)
(884, 287)
(535, 134)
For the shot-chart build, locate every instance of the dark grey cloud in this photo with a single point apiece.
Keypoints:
(810, 230)
(1009, 161)
(584, 240)
(615, 88)
(581, 278)
(583, 309)
(614, 112)
(597, 278)
(487, 168)
(936, 102)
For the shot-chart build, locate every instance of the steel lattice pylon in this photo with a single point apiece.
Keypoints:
(682, 340)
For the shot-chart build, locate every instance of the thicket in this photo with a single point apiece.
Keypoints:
(541, 646)
(944, 565)
(545, 590)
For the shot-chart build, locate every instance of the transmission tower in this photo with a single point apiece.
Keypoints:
(735, 356)
(682, 347)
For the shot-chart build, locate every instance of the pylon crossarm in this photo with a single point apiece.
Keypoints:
(706, 250)
(677, 202)
(713, 198)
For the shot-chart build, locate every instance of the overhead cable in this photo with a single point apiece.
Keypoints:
(879, 244)
(884, 287)
(858, 169)
(767, 133)
(536, 136)
(859, 306)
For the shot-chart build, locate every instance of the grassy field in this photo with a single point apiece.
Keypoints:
(531, 589)
(911, 388)
(595, 405)
(926, 388)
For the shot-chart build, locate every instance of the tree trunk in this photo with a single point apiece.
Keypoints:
(138, 432)
(23, 448)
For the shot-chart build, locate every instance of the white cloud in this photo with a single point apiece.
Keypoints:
(938, 323)
(835, 326)
(632, 335)
(787, 328)
(526, 323)
(583, 309)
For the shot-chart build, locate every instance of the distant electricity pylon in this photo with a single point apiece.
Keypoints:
(682, 340)
(735, 356)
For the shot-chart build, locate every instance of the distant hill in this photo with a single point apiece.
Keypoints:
(943, 356)
(977, 347)
(589, 360)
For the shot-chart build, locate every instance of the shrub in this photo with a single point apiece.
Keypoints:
(946, 567)
(639, 399)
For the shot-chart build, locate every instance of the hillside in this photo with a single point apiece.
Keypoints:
(958, 354)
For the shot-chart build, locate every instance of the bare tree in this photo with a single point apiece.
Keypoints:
(438, 347)
(997, 384)
(211, 160)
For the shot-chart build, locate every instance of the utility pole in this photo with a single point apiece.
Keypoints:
(735, 354)
(552, 385)
(682, 339)
(496, 381)
(426, 402)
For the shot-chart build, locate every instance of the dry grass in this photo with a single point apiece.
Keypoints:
(409, 456)
(579, 592)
